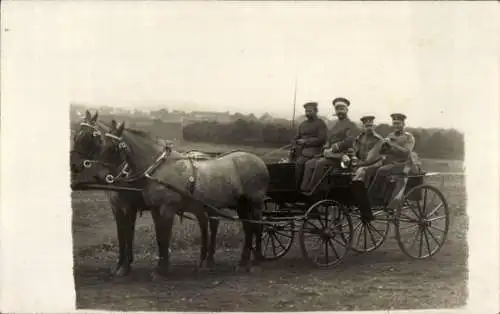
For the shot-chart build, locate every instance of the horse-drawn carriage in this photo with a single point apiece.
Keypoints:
(328, 217)
(327, 220)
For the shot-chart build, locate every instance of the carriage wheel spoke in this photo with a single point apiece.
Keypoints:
(433, 197)
(340, 243)
(358, 238)
(279, 242)
(314, 225)
(327, 220)
(427, 241)
(408, 205)
(408, 219)
(421, 243)
(435, 218)
(432, 236)
(360, 223)
(415, 238)
(434, 227)
(375, 229)
(365, 240)
(374, 241)
(412, 226)
(337, 256)
(283, 234)
(274, 247)
(435, 210)
(419, 209)
(423, 212)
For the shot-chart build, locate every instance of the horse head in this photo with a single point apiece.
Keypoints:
(87, 143)
(126, 153)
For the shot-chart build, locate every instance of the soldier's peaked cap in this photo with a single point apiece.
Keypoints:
(341, 100)
(398, 116)
(365, 119)
(311, 104)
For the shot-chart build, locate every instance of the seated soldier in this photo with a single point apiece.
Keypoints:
(310, 139)
(363, 146)
(399, 145)
(341, 140)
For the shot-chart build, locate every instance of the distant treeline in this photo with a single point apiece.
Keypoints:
(440, 144)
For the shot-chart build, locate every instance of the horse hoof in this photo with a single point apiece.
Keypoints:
(239, 269)
(121, 271)
(156, 277)
(197, 269)
(162, 271)
(255, 269)
(210, 264)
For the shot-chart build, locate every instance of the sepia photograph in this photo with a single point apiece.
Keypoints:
(271, 157)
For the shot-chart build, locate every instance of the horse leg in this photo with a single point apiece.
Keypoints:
(214, 226)
(258, 229)
(131, 215)
(244, 213)
(163, 218)
(203, 223)
(121, 268)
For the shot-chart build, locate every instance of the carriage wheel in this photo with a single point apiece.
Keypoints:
(277, 239)
(422, 222)
(369, 236)
(326, 234)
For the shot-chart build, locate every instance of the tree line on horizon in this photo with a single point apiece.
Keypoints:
(430, 143)
(259, 132)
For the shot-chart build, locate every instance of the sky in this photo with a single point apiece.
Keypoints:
(244, 57)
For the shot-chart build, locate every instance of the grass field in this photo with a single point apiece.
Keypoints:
(384, 279)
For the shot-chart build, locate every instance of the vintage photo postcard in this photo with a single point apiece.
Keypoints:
(249, 156)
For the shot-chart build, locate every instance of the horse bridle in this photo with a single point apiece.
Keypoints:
(95, 133)
(124, 168)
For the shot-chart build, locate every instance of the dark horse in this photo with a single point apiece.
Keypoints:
(236, 180)
(87, 145)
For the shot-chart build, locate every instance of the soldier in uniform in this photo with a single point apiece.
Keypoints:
(341, 139)
(365, 141)
(310, 139)
(363, 145)
(399, 147)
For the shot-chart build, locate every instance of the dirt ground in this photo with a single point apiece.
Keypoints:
(384, 279)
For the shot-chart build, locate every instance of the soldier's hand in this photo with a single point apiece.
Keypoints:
(301, 141)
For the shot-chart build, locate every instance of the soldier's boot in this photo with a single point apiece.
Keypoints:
(360, 195)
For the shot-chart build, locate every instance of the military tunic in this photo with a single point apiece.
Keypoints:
(342, 136)
(314, 132)
(365, 142)
(394, 163)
